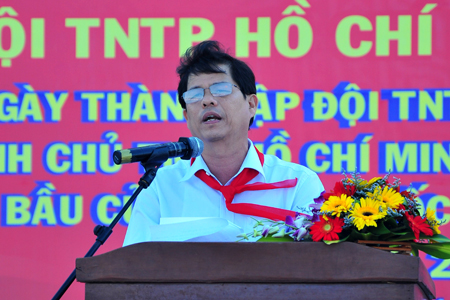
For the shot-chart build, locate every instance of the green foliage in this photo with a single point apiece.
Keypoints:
(439, 238)
(285, 238)
(438, 250)
(379, 230)
(357, 235)
(336, 241)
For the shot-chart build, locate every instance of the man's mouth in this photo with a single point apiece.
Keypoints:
(211, 117)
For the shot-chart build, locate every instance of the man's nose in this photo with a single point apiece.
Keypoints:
(208, 99)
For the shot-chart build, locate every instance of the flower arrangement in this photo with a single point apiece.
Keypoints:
(359, 210)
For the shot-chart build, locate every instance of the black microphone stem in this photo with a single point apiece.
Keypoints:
(103, 232)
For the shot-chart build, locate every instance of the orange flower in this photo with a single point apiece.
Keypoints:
(326, 229)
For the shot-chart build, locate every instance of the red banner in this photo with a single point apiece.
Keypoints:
(342, 85)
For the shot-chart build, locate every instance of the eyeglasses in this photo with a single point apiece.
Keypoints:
(217, 90)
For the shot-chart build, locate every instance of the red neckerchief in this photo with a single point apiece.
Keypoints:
(238, 185)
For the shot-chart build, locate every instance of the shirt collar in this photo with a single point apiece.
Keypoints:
(251, 161)
(199, 164)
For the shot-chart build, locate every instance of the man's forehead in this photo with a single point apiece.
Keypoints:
(195, 80)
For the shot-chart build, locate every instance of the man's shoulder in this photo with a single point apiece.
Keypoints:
(276, 169)
(273, 162)
(178, 168)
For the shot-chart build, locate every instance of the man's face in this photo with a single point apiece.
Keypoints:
(219, 118)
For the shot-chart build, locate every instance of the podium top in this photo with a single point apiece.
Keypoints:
(305, 262)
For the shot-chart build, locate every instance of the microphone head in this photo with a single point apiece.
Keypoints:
(196, 145)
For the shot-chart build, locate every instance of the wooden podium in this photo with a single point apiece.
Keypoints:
(307, 270)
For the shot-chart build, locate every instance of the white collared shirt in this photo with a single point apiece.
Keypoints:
(177, 192)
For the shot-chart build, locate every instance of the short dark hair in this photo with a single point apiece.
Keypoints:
(205, 58)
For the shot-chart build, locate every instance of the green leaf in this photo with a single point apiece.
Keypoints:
(409, 236)
(379, 230)
(285, 238)
(400, 232)
(390, 223)
(356, 235)
(336, 241)
(439, 250)
(393, 236)
(439, 238)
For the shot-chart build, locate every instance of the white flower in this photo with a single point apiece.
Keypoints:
(300, 221)
(299, 234)
(274, 229)
(280, 233)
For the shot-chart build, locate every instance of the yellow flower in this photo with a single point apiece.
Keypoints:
(364, 183)
(431, 217)
(366, 213)
(389, 197)
(373, 180)
(359, 185)
(337, 205)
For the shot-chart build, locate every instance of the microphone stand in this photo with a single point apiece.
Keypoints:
(103, 232)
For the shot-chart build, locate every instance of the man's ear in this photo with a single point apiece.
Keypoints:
(185, 114)
(252, 104)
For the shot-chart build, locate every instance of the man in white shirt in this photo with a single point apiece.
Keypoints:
(231, 179)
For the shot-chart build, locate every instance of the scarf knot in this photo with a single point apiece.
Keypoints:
(240, 184)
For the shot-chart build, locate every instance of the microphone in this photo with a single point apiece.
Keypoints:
(185, 147)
